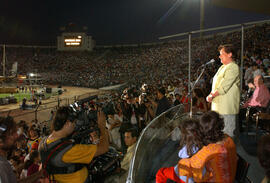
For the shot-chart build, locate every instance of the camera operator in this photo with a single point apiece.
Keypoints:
(64, 160)
(146, 107)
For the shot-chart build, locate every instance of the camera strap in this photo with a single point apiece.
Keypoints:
(51, 156)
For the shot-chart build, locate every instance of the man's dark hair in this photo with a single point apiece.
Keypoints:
(211, 127)
(61, 117)
(133, 131)
(263, 152)
(228, 48)
(7, 125)
(162, 91)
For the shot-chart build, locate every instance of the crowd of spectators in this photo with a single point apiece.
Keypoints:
(157, 63)
(163, 67)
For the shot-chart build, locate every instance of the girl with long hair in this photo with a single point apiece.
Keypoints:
(190, 143)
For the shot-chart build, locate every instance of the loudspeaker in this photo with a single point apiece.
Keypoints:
(48, 90)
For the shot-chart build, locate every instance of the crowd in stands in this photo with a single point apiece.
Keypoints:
(152, 64)
(162, 67)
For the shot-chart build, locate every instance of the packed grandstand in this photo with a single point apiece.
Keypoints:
(109, 66)
(143, 69)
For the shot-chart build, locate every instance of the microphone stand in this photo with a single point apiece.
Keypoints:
(193, 87)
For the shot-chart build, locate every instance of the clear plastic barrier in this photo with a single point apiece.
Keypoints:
(157, 146)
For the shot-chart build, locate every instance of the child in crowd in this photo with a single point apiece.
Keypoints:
(34, 139)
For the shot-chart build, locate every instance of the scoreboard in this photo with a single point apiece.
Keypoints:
(75, 41)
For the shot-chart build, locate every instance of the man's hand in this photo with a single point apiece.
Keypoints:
(103, 145)
(209, 98)
(101, 117)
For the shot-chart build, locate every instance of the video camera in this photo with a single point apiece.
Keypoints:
(145, 92)
(129, 93)
(85, 123)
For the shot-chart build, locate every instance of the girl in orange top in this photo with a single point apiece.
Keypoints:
(215, 162)
(218, 155)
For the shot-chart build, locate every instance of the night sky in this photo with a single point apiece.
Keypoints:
(110, 21)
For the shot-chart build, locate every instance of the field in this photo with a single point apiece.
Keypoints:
(21, 96)
(44, 111)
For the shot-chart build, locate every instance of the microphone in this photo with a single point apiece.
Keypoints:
(210, 62)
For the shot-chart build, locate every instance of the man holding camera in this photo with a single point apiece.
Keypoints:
(162, 105)
(64, 160)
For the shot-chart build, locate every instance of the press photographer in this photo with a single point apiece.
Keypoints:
(62, 158)
(146, 107)
(161, 105)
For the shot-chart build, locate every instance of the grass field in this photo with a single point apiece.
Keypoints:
(21, 96)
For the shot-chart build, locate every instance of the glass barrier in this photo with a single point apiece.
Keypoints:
(158, 145)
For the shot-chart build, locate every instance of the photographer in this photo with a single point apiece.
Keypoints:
(146, 110)
(162, 105)
(64, 160)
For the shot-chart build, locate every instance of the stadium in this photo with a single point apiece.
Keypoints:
(147, 75)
